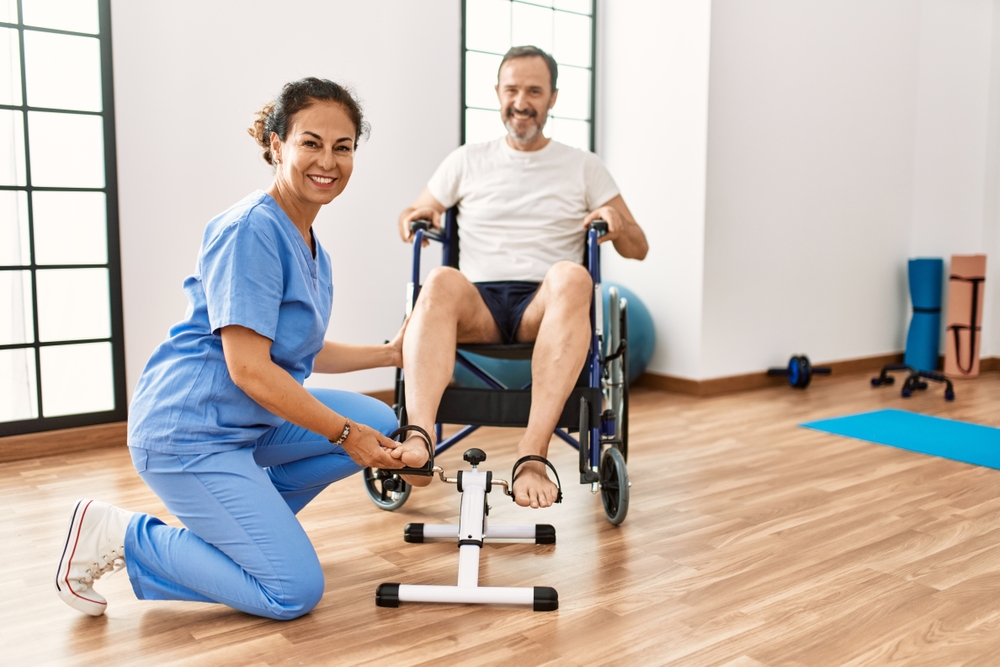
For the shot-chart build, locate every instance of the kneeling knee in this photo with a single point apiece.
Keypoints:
(384, 419)
(299, 595)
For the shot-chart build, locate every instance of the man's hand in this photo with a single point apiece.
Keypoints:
(411, 214)
(425, 208)
(623, 230)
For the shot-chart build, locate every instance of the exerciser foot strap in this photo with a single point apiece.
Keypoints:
(427, 470)
(540, 459)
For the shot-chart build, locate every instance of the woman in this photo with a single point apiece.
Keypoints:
(220, 425)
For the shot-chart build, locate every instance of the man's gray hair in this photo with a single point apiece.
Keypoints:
(530, 52)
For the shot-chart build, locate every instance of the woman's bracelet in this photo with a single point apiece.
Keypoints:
(343, 436)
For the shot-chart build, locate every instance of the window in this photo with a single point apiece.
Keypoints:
(563, 28)
(61, 343)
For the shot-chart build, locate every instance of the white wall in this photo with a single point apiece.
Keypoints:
(810, 180)
(991, 204)
(652, 124)
(956, 149)
(188, 77)
(842, 138)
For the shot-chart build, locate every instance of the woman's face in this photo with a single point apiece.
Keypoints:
(317, 157)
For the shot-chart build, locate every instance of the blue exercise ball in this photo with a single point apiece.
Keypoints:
(641, 334)
(517, 373)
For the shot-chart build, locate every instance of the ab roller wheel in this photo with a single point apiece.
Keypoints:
(799, 371)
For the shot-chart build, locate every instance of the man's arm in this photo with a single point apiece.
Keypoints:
(623, 231)
(425, 208)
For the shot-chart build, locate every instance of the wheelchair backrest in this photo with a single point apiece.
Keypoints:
(449, 250)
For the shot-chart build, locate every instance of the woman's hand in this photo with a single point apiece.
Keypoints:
(368, 447)
(396, 345)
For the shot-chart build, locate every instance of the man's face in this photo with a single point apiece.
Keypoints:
(526, 96)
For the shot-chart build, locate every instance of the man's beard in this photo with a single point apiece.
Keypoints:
(530, 134)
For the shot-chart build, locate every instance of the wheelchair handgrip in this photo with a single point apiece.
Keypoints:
(420, 224)
(599, 225)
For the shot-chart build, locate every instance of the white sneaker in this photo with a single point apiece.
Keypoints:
(95, 545)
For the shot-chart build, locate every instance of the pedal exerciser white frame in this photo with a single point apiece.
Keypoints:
(471, 532)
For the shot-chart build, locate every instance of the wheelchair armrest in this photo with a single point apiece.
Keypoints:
(599, 225)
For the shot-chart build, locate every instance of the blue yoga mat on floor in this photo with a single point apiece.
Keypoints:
(947, 438)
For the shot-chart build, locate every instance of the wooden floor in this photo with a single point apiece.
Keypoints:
(750, 541)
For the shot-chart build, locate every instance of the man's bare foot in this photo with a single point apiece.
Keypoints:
(413, 453)
(532, 487)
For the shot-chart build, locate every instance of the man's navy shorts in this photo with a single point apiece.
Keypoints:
(507, 301)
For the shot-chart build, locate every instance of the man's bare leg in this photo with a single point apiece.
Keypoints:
(449, 310)
(558, 320)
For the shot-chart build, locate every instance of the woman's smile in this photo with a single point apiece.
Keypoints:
(324, 182)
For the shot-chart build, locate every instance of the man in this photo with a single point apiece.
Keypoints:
(524, 204)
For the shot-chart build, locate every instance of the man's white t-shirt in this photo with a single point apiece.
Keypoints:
(520, 212)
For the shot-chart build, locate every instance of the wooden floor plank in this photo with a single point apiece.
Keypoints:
(750, 542)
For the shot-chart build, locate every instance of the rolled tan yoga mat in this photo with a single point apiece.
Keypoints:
(966, 287)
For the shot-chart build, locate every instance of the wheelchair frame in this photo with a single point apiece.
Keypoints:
(602, 430)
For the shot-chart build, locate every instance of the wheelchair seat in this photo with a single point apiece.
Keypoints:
(512, 351)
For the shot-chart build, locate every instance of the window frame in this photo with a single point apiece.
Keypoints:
(113, 266)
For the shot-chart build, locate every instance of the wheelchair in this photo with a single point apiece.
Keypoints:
(597, 409)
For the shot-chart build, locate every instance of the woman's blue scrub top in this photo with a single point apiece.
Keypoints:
(255, 270)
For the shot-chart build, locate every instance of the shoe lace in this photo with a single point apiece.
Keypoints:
(113, 561)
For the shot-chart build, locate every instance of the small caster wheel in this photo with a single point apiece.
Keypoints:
(614, 485)
(949, 395)
(387, 490)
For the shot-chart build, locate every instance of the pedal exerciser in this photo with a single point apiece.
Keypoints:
(471, 532)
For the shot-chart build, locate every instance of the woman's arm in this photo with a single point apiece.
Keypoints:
(248, 358)
(345, 357)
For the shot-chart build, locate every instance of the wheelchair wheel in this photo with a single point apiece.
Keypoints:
(614, 485)
(387, 490)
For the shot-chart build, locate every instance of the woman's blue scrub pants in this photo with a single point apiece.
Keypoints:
(242, 545)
